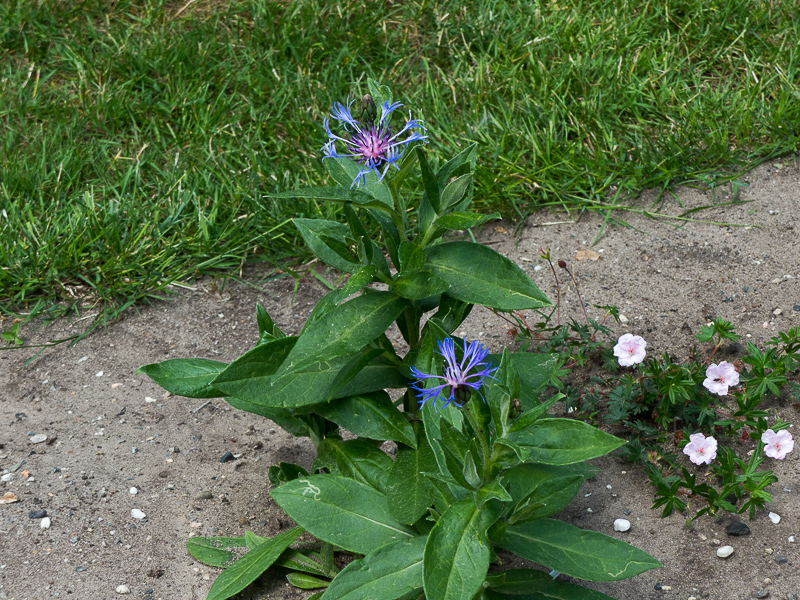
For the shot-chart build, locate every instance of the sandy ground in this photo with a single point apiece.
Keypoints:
(110, 431)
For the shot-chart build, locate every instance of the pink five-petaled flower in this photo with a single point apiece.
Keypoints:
(701, 449)
(777, 445)
(720, 377)
(630, 350)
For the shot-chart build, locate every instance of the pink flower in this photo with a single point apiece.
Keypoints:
(777, 445)
(630, 350)
(719, 377)
(701, 449)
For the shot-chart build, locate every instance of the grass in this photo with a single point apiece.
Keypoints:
(137, 139)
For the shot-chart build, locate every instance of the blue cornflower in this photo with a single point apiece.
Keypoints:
(457, 376)
(370, 142)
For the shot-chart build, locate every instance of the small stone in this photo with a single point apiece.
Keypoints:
(133, 491)
(73, 539)
(137, 514)
(226, 457)
(589, 510)
(777, 311)
(781, 559)
(80, 569)
(622, 525)
(627, 511)
(702, 537)
(623, 319)
(774, 517)
(796, 308)
(44, 523)
(762, 594)
(657, 587)
(37, 514)
(134, 449)
(716, 542)
(149, 400)
(100, 374)
(768, 550)
(791, 539)
(204, 496)
(123, 589)
(7, 477)
(38, 438)
(724, 551)
(737, 528)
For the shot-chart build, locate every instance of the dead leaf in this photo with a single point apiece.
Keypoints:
(586, 255)
(8, 498)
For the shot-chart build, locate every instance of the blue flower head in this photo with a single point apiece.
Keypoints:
(370, 141)
(460, 377)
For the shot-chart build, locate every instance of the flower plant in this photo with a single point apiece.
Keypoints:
(480, 467)
(664, 402)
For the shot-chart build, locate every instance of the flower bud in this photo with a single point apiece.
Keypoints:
(562, 264)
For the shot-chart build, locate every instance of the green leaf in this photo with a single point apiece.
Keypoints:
(429, 182)
(387, 573)
(479, 275)
(564, 441)
(297, 561)
(267, 330)
(575, 552)
(248, 568)
(344, 330)
(454, 191)
(492, 490)
(318, 233)
(528, 584)
(339, 510)
(356, 459)
(464, 220)
(529, 417)
(419, 285)
(463, 162)
(189, 377)
(547, 499)
(380, 93)
(372, 416)
(411, 256)
(352, 368)
(305, 581)
(407, 488)
(283, 472)
(215, 551)
(457, 552)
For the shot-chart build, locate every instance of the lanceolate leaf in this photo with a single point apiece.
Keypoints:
(419, 285)
(370, 415)
(215, 551)
(344, 330)
(356, 459)
(387, 573)
(408, 494)
(583, 554)
(464, 220)
(479, 275)
(318, 233)
(528, 584)
(457, 552)
(190, 377)
(564, 441)
(248, 568)
(341, 511)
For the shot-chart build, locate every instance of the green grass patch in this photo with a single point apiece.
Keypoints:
(137, 139)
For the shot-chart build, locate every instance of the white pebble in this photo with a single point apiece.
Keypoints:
(100, 374)
(775, 518)
(791, 539)
(83, 358)
(537, 268)
(137, 514)
(38, 438)
(123, 589)
(149, 400)
(608, 487)
(777, 312)
(623, 319)
(133, 491)
(7, 477)
(622, 525)
(724, 551)
(44, 523)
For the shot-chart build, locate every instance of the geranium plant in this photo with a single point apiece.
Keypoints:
(479, 467)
